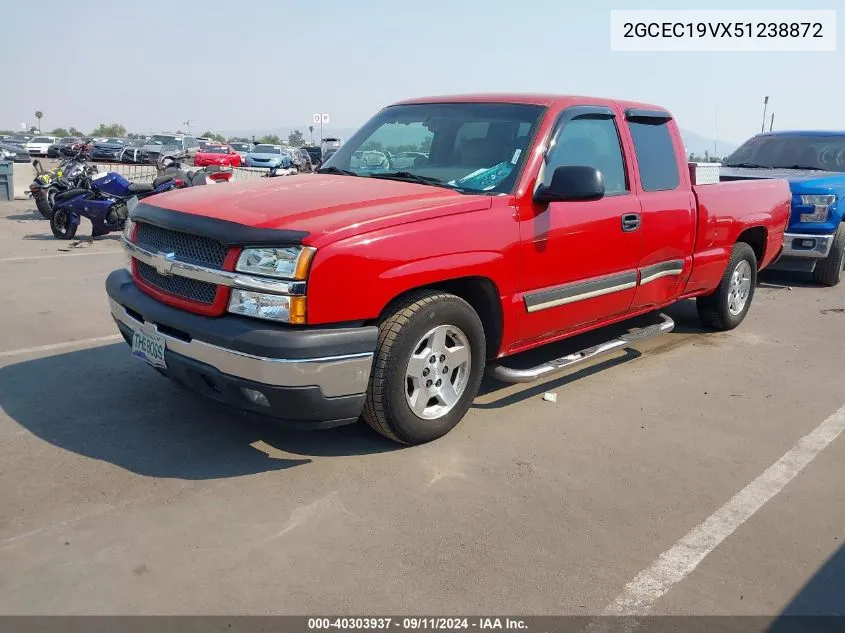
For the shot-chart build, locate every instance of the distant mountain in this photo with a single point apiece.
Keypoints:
(697, 144)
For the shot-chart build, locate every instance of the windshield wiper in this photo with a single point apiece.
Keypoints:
(748, 166)
(409, 177)
(336, 170)
(804, 167)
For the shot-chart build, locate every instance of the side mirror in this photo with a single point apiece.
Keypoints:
(572, 182)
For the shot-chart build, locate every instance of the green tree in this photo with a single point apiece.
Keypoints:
(6, 133)
(311, 129)
(270, 139)
(39, 115)
(296, 139)
(59, 131)
(214, 137)
(115, 129)
(33, 130)
(74, 132)
(238, 139)
(372, 145)
(425, 146)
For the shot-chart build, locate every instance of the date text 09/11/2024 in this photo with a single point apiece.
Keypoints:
(416, 623)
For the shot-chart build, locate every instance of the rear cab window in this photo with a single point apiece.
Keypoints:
(655, 149)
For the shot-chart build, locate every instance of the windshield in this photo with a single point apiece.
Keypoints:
(266, 149)
(471, 147)
(42, 139)
(239, 147)
(162, 139)
(68, 140)
(215, 149)
(115, 141)
(791, 152)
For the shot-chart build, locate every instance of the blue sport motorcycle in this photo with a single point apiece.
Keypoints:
(105, 199)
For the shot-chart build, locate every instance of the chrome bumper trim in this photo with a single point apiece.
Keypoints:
(334, 375)
(819, 251)
(169, 266)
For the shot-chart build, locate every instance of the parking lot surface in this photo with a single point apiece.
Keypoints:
(123, 494)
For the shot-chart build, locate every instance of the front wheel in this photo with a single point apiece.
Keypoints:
(828, 271)
(62, 227)
(427, 368)
(727, 306)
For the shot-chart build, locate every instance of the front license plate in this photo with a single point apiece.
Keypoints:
(149, 348)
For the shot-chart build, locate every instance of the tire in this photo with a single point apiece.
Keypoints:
(828, 271)
(45, 205)
(402, 333)
(60, 227)
(718, 311)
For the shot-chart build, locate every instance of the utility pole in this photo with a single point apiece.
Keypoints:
(716, 132)
(772, 122)
(765, 104)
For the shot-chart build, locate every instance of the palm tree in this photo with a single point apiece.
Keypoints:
(311, 129)
(39, 115)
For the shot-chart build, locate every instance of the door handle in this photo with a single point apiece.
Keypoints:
(630, 222)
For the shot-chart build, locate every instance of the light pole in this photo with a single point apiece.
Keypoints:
(765, 103)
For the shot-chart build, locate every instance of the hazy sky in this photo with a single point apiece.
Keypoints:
(152, 64)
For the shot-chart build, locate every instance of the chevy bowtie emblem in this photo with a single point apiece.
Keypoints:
(163, 263)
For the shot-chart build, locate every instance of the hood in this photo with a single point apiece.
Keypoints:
(265, 156)
(823, 179)
(328, 207)
(108, 146)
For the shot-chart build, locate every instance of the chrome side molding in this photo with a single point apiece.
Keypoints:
(508, 374)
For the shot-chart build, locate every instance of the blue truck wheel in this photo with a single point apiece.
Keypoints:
(828, 271)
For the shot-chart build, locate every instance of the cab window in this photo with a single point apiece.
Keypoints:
(591, 142)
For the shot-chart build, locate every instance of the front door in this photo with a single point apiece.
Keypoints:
(579, 259)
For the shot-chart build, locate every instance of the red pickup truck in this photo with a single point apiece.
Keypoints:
(495, 224)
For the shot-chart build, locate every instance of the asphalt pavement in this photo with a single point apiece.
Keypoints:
(695, 473)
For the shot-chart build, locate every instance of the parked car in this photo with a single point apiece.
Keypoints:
(38, 145)
(182, 146)
(404, 160)
(56, 150)
(217, 154)
(814, 165)
(293, 156)
(134, 152)
(386, 296)
(242, 149)
(315, 153)
(14, 153)
(19, 139)
(270, 156)
(306, 165)
(108, 150)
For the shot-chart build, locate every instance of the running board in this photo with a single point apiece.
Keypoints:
(507, 374)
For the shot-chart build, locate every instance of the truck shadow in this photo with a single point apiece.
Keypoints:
(102, 404)
(782, 279)
(686, 322)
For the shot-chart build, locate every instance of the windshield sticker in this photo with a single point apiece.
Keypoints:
(516, 156)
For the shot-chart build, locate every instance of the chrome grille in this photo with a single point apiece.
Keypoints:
(194, 249)
(191, 289)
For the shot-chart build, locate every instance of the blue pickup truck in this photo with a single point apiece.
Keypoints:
(814, 165)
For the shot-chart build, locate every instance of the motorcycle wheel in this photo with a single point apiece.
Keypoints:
(45, 205)
(61, 226)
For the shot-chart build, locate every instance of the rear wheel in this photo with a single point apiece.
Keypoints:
(727, 306)
(427, 368)
(61, 226)
(828, 271)
(45, 203)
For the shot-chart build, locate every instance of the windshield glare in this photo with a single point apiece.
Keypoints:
(786, 152)
(266, 149)
(472, 147)
(215, 149)
(160, 139)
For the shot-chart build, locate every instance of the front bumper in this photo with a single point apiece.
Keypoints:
(806, 246)
(311, 377)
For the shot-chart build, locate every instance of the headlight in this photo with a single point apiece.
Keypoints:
(271, 307)
(821, 204)
(128, 228)
(286, 263)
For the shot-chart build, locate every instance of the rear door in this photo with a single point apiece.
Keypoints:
(580, 257)
(668, 212)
